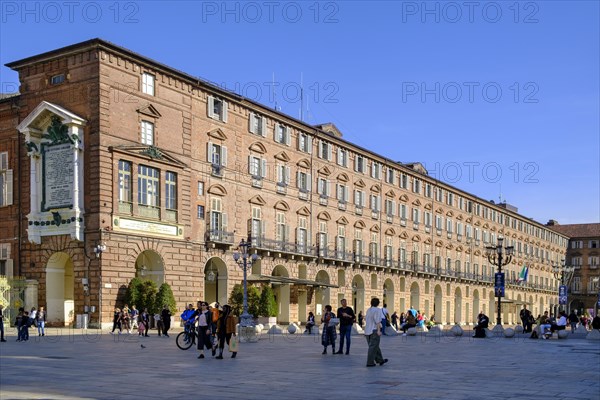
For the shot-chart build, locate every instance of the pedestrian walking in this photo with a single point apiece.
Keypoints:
(384, 319)
(159, 324)
(525, 315)
(116, 320)
(225, 330)
(165, 315)
(133, 316)
(373, 326)
(573, 320)
(204, 328)
(145, 320)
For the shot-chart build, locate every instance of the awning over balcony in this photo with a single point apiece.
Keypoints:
(255, 278)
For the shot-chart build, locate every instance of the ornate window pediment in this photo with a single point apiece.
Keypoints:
(375, 228)
(149, 152)
(416, 238)
(376, 189)
(391, 194)
(360, 183)
(324, 216)
(304, 163)
(439, 243)
(258, 147)
(282, 157)
(428, 206)
(282, 206)
(217, 134)
(150, 111)
(303, 211)
(450, 214)
(417, 202)
(403, 198)
(390, 232)
(342, 221)
(325, 171)
(403, 235)
(359, 224)
(217, 190)
(258, 200)
(428, 241)
(343, 177)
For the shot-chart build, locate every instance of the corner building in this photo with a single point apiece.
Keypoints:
(121, 166)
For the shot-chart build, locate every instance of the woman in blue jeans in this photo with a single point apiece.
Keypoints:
(40, 319)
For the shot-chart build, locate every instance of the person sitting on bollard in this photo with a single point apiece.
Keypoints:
(560, 324)
(482, 324)
(310, 322)
(544, 325)
(411, 322)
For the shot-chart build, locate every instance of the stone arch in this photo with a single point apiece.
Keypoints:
(60, 289)
(389, 296)
(322, 293)
(282, 294)
(215, 281)
(457, 305)
(358, 294)
(438, 303)
(414, 296)
(150, 265)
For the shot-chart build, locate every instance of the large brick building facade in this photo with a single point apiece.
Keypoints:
(108, 148)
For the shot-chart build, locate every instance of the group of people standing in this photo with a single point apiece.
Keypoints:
(25, 320)
(216, 326)
(127, 319)
(346, 318)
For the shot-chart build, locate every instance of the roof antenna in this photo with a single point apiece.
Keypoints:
(500, 196)
(274, 93)
(301, 97)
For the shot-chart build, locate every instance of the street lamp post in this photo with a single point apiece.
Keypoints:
(499, 256)
(563, 273)
(241, 258)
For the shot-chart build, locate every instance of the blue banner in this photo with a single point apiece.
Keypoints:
(499, 284)
(562, 295)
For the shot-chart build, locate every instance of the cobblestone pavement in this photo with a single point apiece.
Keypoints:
(72, 365)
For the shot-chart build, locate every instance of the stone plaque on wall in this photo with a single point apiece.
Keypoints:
(57, 174)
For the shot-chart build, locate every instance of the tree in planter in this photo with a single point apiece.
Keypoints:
(236, 300)
(147, 296)
(165, 296)
(268, 305)
(133, 292)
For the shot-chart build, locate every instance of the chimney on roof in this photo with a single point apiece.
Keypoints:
(552, 222)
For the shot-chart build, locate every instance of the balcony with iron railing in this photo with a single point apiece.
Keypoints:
(219, 238)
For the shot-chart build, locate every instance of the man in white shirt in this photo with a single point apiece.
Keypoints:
(373, 334)
(560, 324)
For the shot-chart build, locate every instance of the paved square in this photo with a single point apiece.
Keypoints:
(102, 366)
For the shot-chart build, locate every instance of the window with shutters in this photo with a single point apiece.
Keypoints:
(450, 199)
(439, 223)
(342, 157)
(322, 239)
(282, 229)
(301, 235)
(449, 226)
(217, 109)
(375, 202)
(342, 193)
(171, 196)
(389, 251)
(218, 220)
(416, 185)
(282, 134)
(360, 164)
(200, 188)
(148, 191)
(427, 221)
(389, 175)
(593, 261)
(323, 187)
(359, 198)
(147, 133)
(6, 181)
(358, 244)
(256, 226)
(6, 263)
(390, 207)
(403, 181)
(375, 170)
(257, 167)
(416, 216)
(303, 181)
(325, 150)
(257, 124)
(374, 248)
(283, 175)
(439, 194)
(304, 143)
(200, 212)
(340, 242)
(148, 84)
(428, 190)
(217, 157)
(403, 214)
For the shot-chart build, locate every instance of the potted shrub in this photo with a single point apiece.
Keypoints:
(268, 306)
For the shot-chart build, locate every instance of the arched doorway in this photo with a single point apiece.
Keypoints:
(476, 305)
(457, 306)
(322, 294)
(282, 295)
(414, 296)
(149, 265)
(60, 289)
(437, 303)
(388, 295)
(358, 294)
(215, 281)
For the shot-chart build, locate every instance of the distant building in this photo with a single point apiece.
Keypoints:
(116, 166)
(583, 253)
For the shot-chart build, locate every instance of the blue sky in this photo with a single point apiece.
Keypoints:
(496, 98)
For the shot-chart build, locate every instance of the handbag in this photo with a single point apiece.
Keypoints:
(233, 344)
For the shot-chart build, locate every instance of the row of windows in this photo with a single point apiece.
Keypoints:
(148, 186)
(578, 244)
(257, 124)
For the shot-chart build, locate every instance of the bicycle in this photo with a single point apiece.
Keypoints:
(187, 338)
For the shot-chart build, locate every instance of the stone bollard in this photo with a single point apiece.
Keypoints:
(519, 329)
(593, 335)
(457, 330)
(563, 334)
(581, 329)
(435, 331)
(509, 332)
(275, 329)
(293, 328)
(357, 330)
(412, 331)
